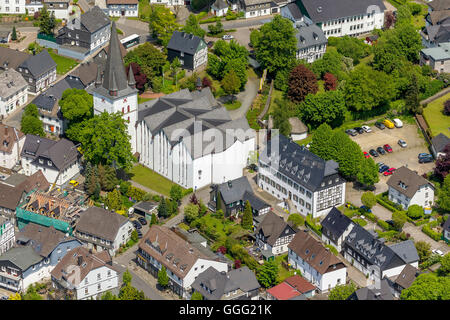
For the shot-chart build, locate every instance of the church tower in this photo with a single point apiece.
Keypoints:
(113, 92)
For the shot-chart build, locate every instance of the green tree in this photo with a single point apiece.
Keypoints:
(342, 292)
(76, 106)
(176, 193)
(368, 173)
(268, 274)
(324, 107)
(190, 212)
(47, 21)
(281, 117)
(193, 27)
(162, 208)
(320, 144)
(415, 211)
(412, 96)
(350, 47)
(331, 62)
(129, 292)
(32, 294)
(162, 23)
(296, 219)
(215, 28)
(153, 220)
(403, 15)
(14, 34)
(163, 279)
(347, 153)
(428, 286)
(127, 277)
(231, 83)
(196, 296)
(276, 44)
(399, 218)
(444, 194)
(247, 218)
(149, 58)
(368, 199)
(109, 296)
(114, 200)
(30, 122)
(444, 269)
(107, 177)
(104, 139)
(423, 250)
(134, 236)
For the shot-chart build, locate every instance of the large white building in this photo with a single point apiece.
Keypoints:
(307, 183)
(12, 6)
(173, 135)
(13, 91)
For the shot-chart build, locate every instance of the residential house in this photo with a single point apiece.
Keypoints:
(122, 8)
(38, 251)
(311, 43)
(293, 288)
(316, 263)
(446, 230)
(382, 292)
(292, 12)
(335, 228)
(437, 24)
(407, 251)
(257, 8)
(438, 58)
(171, 3)
(307, 183)
(183, 262)
(12, 6)
(339, 18)
(39, 71)
(61, 8)
(85, 74)
(89, 31)
(438, 144)
(406, 188)
(103, 230)
(237, 284)
(404, 280)
(11, 59)
(85, 275)
(189, 49)
(14, 191)
(58, 160)
(11, 143)
(231, 197)
(273, 235)
(7, 235)
(219, 8)
(13, 91)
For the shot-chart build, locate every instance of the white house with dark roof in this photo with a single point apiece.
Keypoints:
(438, 144)
(189, 49)
(103, 230)
(11, 143)
(13, 91)
(122, 8)
(7, 234)
(306, 182)
(311, 43)
(39, 71)
(257, 8)
(406, 188)
(59, 160)
(168, 2)
(335, 228)
(12, 7)
(219, 8)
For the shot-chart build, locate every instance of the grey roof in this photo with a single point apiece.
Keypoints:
(62, 152)
(336, 223)
(245, 278)
(22, 257)
(192, 236)
(145, 206)
(11, 82)
(184, 42)
(4, 33)
(439, 53)
(308, 36)
(438, 33)
(407, 182)
(440, 142)
(39, 64)
(439, 4)
(300, 165)
(13, 57)
(94, 19)
(220, 4)
(406, 278)
(294, 10)
(325, 10)
(406, 250)
(101, 223)
(371, 293)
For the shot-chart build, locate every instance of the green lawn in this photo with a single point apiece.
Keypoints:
(438, 122)
(141, 100)
(151, 179)
(63, 64)
(144, 9)
(233, 105)
(282, 272)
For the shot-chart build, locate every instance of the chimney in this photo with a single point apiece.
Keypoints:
(80, 260)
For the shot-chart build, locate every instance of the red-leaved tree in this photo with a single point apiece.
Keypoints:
(237, 264)
(139, 77)
(222, 250)
(193, 199)
(206, 82)
(330, 82)
(389, 19)
(443, 163)
(447, 107)
(302, 82)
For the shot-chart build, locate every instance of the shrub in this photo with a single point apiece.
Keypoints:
(370, 216)
(386, 205)
(433, 259)
(436, 236)
(415, 211)
(332, 249)
(296, 219)
(384, 225)
(368, 199)
(317, 228)
(361, 222)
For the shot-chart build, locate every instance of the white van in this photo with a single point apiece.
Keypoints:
(398, 123)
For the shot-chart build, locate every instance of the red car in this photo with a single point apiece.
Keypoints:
(366, 155)
(389, 171)
(387, 148)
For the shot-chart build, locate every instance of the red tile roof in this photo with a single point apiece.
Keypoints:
(300, 283)
(283, 291)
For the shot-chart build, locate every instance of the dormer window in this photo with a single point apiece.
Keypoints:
(307, 251)
(41, 161)
(49, 163)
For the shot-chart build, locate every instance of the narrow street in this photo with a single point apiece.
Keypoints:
(246, 97)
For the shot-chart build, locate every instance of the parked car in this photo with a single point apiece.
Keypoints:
(142, 220)
(351, 132)
(366, 128)
(380, 125)
(438, 252)
(366, 155)
(381, 151)
(391, 223)
(139, 234)
(380, 164)
(423, 155)
(359, 130)
(137, 225)
(227, 37)
(426, 159)
(373, 153)
(210, 44)
(398, 123)
(365, 208)
(387, 148)
(389, 171)
(383, 168)
(402, 143)
(388, 123)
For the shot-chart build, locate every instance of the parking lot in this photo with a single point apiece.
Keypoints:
(400, 156)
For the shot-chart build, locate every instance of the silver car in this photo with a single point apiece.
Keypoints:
(227, 37)
(366, 128)
(402, 143)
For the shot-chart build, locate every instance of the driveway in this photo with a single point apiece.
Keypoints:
(418, 235)
(246, 97)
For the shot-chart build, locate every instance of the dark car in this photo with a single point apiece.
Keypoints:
(424, 155)
(426, 159)
(210, 44)
(359, 130)
(139, 234)
(142, 220)
(383, 168)
(365, 208)
(381, 151)
(351, 132)
(253, 167)
(380, 126)
(137, 225)
(250, 45)
(390, 222)
(373, 153)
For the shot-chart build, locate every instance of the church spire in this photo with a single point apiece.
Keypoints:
(114, 77)
(131, 81)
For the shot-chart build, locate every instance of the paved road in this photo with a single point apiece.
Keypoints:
(418, 235)
(246, 97)
(242, 23)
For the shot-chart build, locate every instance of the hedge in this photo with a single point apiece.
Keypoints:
(433, 259)
(383, 224)
(370, 216)
(209, 20)
(420, 222)
(386, 205)
(311, 224)
(387, 234)
(360, 221)
(436, 236)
